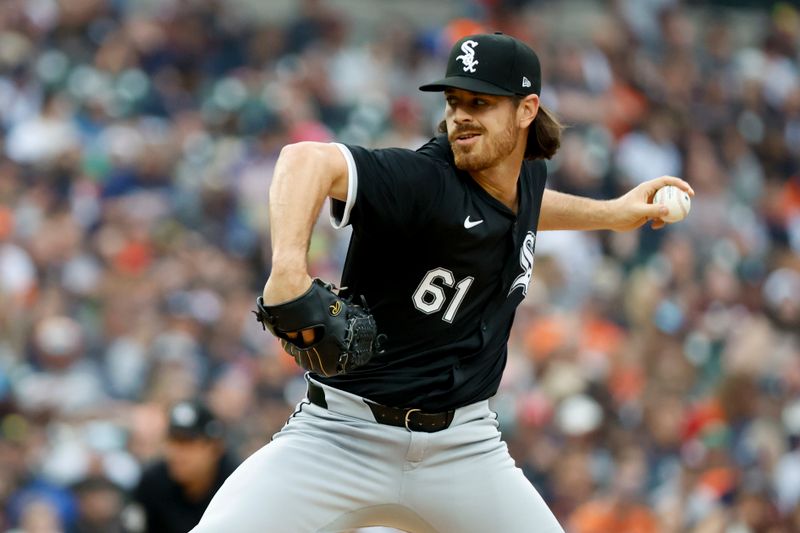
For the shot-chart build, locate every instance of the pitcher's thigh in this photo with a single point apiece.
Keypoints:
(295, 484)
(481, 495)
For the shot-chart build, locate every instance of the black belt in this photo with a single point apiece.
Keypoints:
(411, 419)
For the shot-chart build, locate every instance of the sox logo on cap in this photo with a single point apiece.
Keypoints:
(468, 57)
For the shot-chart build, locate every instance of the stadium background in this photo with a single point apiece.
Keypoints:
(652, 372)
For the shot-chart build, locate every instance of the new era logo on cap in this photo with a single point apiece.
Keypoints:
(491, 64)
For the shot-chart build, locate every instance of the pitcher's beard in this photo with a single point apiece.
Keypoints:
(487, 152)
(469, 159)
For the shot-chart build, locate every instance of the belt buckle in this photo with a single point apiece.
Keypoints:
(408, 415)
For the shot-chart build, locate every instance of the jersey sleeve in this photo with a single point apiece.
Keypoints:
(387, 188)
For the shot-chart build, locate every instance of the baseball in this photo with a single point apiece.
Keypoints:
(676, 200)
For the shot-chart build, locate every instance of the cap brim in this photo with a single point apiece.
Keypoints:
(178, 433)
(467, 84)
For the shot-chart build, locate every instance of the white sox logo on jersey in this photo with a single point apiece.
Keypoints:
(468, 57)
(526, 262)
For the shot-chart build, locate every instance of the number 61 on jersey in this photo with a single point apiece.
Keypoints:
(429, 297)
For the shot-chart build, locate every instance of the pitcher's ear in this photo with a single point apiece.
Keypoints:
(527, 110)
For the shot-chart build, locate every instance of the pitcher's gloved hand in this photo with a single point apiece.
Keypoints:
(325, 334)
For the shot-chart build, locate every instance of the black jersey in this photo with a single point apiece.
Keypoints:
(442, 265)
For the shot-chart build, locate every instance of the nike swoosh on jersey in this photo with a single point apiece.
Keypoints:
(471, 223)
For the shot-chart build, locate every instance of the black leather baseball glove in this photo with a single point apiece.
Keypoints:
(345, 334)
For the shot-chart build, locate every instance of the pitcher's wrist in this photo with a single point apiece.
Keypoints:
(283, 287)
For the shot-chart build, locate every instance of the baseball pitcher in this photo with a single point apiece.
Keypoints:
(396, 428)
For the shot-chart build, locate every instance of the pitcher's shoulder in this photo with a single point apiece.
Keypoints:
(536, 167)
(438, 148)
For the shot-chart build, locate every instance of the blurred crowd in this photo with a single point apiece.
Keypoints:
(653, 382)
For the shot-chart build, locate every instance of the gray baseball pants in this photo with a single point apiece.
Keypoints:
(334, 469)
